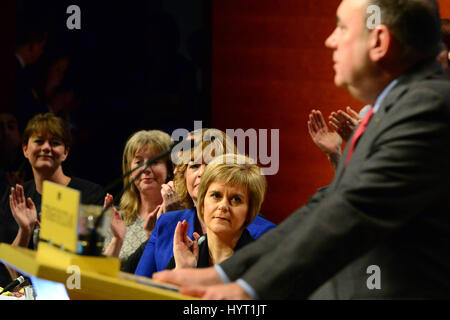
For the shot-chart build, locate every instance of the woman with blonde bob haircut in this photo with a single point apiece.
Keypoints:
(145, 200)
(191, 164)
(236, 170)
(230, 196)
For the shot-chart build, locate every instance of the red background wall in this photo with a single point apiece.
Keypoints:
(445, 8)
(270, 68)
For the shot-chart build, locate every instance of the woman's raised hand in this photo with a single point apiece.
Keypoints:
(171, 202)
(150, 221)
(108, 199)
(182, 245)
(118, 226)
(23, 210)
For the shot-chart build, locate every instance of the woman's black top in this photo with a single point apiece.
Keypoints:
(203, 252)
(91, 193)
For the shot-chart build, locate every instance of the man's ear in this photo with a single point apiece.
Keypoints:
(380, 43)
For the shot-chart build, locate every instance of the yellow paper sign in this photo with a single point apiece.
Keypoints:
(60, 215)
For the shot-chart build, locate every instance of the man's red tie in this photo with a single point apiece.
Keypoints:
(358, 134)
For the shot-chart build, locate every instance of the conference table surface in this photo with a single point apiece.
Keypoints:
(92, 285)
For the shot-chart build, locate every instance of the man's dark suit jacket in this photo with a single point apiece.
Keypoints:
(389, 208)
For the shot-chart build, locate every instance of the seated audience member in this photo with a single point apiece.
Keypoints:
(11, 155)
(230, 195)
(46, 145)
(173, 203)
(54, 69)
(444, 55)
(30, 41)
(147, 198)
(189, 170)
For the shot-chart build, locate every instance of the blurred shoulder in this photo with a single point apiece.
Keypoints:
(91, 192)
(259, 220)
(175, 216)
(79, 184)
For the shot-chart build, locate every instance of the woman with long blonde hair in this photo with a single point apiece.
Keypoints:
(147, 197)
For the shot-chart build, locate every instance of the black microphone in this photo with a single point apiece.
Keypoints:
(142, 167)
(185, 143)
(13, 284)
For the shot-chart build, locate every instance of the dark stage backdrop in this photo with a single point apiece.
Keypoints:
(7, 32)
(141, 64)
(270, 68)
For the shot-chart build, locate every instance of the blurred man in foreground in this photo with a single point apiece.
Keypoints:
(380, 230)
